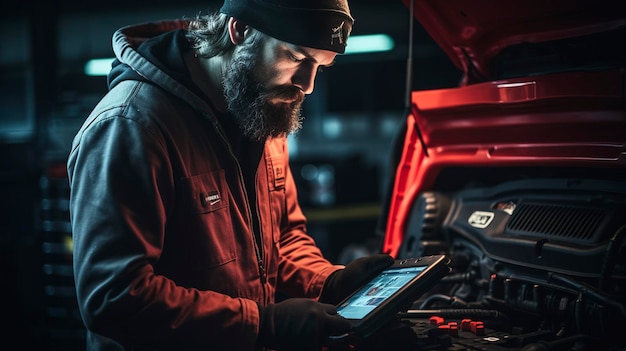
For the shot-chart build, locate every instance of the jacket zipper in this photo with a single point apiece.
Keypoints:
(257, 237)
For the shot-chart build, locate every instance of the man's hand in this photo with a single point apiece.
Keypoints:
(299, 324)
(343, 282)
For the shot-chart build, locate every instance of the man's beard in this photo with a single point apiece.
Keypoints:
(249, 100)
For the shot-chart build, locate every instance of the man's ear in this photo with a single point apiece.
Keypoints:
(236, 30)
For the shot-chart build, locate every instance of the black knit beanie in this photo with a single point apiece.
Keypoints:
(318, 24)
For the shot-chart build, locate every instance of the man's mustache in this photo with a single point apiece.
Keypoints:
(285, 93)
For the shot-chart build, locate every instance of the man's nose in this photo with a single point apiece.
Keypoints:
(304, 78)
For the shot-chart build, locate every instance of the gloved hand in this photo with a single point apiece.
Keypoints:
(343, 282)
(299, 324)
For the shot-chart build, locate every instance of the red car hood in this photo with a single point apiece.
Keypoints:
(554, 117)
(473, 33)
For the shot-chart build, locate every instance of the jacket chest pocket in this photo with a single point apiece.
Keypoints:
(207, 227)
(276, 180)
(206, 192)
(276, 173)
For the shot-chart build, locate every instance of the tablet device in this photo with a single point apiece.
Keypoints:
(396, 288)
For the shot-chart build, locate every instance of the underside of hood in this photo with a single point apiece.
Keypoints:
(491, 40)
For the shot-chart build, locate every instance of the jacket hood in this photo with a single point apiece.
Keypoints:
(153, 52)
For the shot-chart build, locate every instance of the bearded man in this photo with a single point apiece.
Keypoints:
(184, 212)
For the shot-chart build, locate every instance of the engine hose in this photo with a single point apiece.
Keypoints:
(588, 291)
(578, 313)
(609, 259)
(451, 313)
(565, 344)
(436, 297)
(458, 278)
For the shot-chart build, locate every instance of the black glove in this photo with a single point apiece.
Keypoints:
(343, 282)
(299, 324)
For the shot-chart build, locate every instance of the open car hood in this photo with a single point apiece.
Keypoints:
(480, 36)
(543, 94)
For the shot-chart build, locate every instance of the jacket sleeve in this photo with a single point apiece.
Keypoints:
(302, 269)
(121, 189)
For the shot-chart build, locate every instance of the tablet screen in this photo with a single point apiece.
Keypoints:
(366, 299)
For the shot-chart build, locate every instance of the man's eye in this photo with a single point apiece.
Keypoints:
(295, 59)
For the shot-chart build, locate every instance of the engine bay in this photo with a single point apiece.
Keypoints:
(537, 264)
